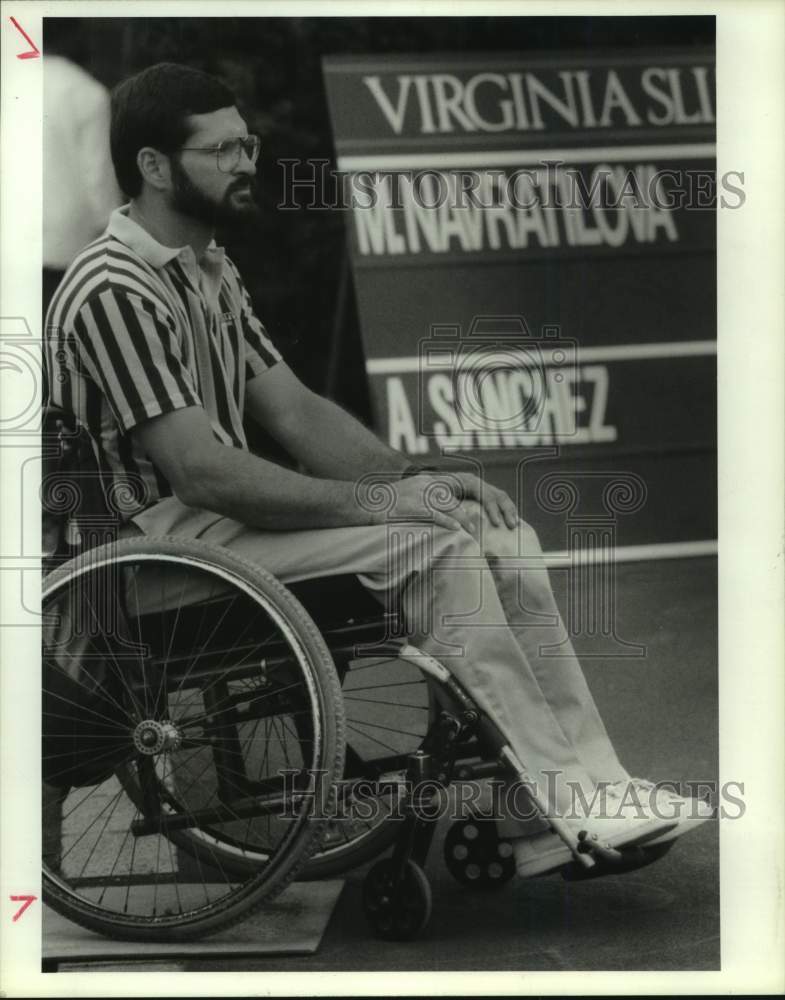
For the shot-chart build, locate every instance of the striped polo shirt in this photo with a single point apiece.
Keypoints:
(136, 330)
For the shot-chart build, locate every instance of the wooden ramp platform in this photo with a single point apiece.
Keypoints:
(292, 924)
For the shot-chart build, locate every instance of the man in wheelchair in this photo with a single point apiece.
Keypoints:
(154, 349)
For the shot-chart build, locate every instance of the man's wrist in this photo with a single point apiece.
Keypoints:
(417, 470)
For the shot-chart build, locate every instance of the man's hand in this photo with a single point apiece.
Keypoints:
(499, 507)
(441, 498)
(417, 498)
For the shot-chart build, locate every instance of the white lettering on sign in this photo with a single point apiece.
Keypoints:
(665, 88)
(400, 421)
(441, 212)
(503, 409)
(443, 103)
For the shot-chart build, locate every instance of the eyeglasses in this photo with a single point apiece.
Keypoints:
(229, 152)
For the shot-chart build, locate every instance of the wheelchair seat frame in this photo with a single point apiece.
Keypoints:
(199, 745)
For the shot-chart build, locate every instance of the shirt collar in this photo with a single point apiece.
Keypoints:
(136, 238)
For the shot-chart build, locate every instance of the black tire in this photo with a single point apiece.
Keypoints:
(392, 719)
(135, 681)
(397, 910)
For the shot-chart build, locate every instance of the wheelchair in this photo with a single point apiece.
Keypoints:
(209, 735)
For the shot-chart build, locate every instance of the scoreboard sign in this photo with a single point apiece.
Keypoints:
(533, 250)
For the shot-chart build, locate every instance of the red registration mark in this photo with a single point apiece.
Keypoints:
(25, 901)
(33, 52)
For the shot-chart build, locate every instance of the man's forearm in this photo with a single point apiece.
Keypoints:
(336, 445)
(237, 484)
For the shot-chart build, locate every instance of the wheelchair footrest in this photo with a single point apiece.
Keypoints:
(629, 859)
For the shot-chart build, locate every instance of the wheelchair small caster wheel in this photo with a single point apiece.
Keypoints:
(476, 856)
(397, 912)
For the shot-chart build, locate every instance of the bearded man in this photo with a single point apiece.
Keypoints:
(154, 347)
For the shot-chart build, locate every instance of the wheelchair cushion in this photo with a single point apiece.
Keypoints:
(334, 600)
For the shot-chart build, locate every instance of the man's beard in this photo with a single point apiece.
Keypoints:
(189, 200)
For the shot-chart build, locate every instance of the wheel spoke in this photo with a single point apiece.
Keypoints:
(188, 708)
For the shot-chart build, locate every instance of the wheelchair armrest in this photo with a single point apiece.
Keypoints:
(55, 420)
(70, 485)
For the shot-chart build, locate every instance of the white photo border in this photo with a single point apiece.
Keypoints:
(751, 362)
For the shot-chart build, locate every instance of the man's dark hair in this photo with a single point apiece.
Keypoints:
(150, 109)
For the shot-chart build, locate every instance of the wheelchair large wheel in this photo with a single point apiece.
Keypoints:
(187, 699)
(388, 708)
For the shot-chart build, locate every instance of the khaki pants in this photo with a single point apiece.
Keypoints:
(481, 604)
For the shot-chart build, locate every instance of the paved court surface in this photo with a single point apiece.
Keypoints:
(661, 711)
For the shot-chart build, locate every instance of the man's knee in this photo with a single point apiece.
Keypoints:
(501, 541)
(460, 544)
(528, 539)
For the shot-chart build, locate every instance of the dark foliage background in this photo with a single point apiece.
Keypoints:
(294, 262)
